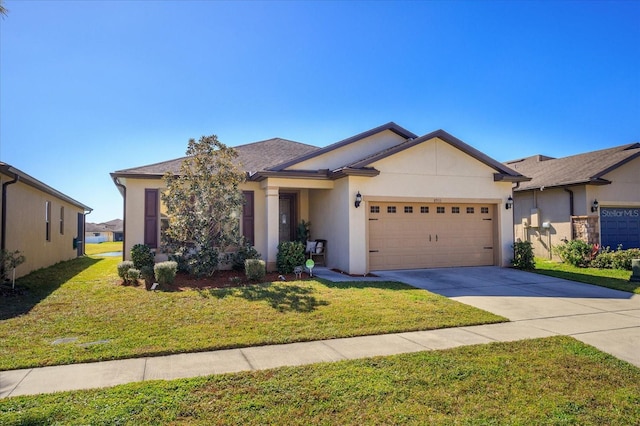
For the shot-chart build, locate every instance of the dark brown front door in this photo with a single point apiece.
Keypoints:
(287, 218)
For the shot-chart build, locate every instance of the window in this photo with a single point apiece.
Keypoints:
(96, 234)
(484, 210)
(455, 209)
(62, 220)
(47, 220)
(470, 210)
(248, 217)
(374, 209)
(424, 209)
(391, 209)
(408, 209)
(151, 217)
(439, 209)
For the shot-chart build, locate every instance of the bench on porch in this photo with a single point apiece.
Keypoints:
(317, 250)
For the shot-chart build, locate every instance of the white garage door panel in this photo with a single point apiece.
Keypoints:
(412, 235)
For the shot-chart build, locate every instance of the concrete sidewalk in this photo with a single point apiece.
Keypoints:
(538, 306)
(110, 373)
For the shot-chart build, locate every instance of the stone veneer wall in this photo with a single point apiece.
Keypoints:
(585, 228)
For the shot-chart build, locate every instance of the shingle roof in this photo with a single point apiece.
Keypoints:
(23, 177)
(252, 157)
(587, 168)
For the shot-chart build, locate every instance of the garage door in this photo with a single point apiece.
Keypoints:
(414, 235)
(620, 226)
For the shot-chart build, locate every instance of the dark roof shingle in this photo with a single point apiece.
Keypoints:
(589, 167)
(252, 157)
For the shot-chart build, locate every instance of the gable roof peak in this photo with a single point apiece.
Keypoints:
(390, 126)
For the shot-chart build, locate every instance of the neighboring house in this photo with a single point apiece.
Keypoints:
(106, 231)
(593, 197)
(44, 224)
(429, 201)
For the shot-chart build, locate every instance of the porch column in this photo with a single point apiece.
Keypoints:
(273, 235)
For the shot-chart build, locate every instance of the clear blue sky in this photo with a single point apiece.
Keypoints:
(90, 87)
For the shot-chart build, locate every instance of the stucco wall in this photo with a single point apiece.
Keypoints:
(26, 227)
(624, 189)
(329, 216)
(426, 172)
(554, 207)
(352, 152)
(134, 215)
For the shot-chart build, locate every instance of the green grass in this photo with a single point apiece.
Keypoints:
(557, 381)
(612, 278)
(106, 247)
(82, 299)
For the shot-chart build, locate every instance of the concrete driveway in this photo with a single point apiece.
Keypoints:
(607, 319)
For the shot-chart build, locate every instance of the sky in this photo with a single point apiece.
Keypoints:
(91, 87)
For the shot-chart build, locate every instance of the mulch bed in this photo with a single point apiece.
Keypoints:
(220, 279)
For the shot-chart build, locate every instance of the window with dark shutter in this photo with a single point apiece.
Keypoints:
(151, 217)
(248, 218)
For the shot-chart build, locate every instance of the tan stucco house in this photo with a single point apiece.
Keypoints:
(45, 225)
(594, 196)
(426, 201)
(104, 232)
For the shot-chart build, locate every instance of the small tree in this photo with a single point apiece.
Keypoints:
(10, 261)
(202, 203)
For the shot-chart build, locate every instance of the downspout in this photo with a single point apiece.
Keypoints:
(3, 241)
(3, 226)
(570, 200)
(123, 189)
(571, 211)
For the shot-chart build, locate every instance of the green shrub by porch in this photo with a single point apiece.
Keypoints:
(123, 270)
(165, 272)
(255, 269)
(290, 255)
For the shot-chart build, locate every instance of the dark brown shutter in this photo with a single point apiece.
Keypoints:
(248, 217)
(151, 217)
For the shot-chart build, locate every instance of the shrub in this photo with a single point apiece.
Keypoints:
(619, 259)
(604, 259)
(622, 258)
(304, 231)
(142, 256)
(255, 269)
(575, 252)
(133, 275)
(165, 272)
(246, 251)
(200, 262)
(290, 255)
(146, 273)
(123, 270)
(523, 255)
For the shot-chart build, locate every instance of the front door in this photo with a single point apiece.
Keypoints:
(287, 217)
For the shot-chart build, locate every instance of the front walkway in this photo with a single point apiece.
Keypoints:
(538, 306)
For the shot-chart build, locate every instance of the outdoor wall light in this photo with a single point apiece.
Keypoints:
(594, 206)
(358, 199)
(509, 203)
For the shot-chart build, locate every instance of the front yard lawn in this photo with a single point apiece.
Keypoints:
(555, 381)
(76, 312)
(617, 279)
